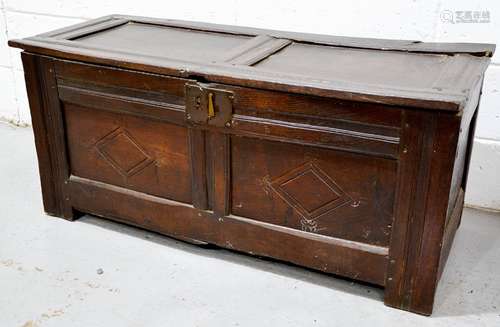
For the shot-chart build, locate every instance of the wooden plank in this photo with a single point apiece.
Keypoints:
(322, 191)
(78, 26)
(145, 155)
(331, 255)
(220, 158)
(264, 103)
(56, 137)
(198, 171)
(51, 199)
(171, 88)
(89, 29)
(246, 47)
(123, 104)
(328, 137)
(161, 88)
(256, 50)
(426, 262)
(410, 149)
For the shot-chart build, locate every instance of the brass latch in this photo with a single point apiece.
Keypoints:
(211, 110)
(206, 104)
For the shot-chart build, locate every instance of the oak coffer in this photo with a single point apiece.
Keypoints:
(345, 155)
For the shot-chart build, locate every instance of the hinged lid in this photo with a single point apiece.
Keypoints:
(407, 73)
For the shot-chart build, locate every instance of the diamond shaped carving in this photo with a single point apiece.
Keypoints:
(310, 191)
(123, 153)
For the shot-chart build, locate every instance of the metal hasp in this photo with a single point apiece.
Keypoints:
(209, 105)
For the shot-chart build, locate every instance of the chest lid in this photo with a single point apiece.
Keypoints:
(436, 76)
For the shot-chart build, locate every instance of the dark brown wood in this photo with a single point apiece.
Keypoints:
(421, 209)
(221, 174)
(199, 179)
(144, 86)
(56, 136)
(321, 111)
(125, 150)
(344, 155)
(379, 145)
(51, 143)
(112, 101)
(328, 192)
(51, 199)
(255, 50)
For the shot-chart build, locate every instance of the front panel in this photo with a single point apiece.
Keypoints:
(128, 151)
(126, 129)
(316, 190)
(297, 178)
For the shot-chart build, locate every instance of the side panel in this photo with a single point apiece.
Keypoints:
(460, 174)
(464, 147)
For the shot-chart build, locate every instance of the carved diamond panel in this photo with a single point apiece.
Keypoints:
(310, 191)
(123, 153)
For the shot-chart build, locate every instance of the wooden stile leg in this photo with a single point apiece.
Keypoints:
(420, 213)
(48, 127)
(220, 156)
(198, 164)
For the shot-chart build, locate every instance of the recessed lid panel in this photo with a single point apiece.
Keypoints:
(164, 42)
(359, 66)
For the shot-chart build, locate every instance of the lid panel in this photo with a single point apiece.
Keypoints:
(361, 66)
(164, 42)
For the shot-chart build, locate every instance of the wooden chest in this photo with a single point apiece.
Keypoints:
(344, 155)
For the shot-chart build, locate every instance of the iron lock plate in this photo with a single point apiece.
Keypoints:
(209, 105)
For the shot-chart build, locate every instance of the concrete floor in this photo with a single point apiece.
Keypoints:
(49, 273)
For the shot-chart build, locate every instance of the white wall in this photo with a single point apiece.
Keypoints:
(416, 20)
